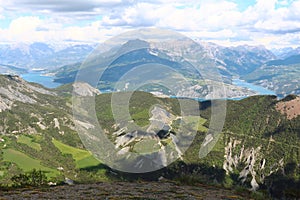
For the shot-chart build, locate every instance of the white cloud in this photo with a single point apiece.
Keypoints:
(216, 20)
(24, 24)
(1, 9)
(33, 29)
(212, 35)
(23, 28)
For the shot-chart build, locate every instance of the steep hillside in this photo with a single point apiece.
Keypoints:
(258, 148)
(37, 132)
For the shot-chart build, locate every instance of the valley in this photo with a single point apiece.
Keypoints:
(151, 99)
(255, 65)
(196, 125)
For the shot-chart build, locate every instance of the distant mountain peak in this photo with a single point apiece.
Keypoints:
(283, 53)
(136, 43)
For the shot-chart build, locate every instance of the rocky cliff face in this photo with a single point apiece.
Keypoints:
(252, 164)
(14, 89)
(30, 108)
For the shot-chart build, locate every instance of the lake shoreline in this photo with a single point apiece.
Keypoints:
(42, 78)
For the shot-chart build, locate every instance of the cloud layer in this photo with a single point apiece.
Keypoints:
(274, 23)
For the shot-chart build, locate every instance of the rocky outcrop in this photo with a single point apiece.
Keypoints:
(249, 162)
(157, 137)
(84, 89)
(160, 120)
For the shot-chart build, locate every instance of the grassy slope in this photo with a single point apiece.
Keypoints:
(25, 162)
(29, 141)
(82, 158)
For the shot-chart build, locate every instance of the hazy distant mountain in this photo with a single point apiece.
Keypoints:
(231, 61)
(286, 52)
(240, 60)
(41, 55)
(254, 63)
(23, 55)
(135, 53)
(8, 69)
(294, 59)
(69, 55)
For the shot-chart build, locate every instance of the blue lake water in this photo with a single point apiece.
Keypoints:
(256, 88)
(47, 81)
(241, 83)
(38, 77)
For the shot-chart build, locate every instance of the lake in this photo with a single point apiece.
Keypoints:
(241, 83)
(38, 77)
(260, 90)
(47, 81)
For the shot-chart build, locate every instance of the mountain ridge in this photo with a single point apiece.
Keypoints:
(147, 53)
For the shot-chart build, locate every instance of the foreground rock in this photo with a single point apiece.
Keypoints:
(120, 190)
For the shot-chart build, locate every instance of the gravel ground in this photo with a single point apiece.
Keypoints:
(123, 190)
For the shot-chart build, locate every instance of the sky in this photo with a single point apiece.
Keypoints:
(272, 23)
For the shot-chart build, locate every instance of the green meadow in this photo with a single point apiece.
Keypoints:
(29, 141)
(82, 157)
(25, 162)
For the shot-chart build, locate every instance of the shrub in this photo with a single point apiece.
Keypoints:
(34, 178)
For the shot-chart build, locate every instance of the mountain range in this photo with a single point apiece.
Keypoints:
(284, 53)
(255, 64)
(42, 55)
